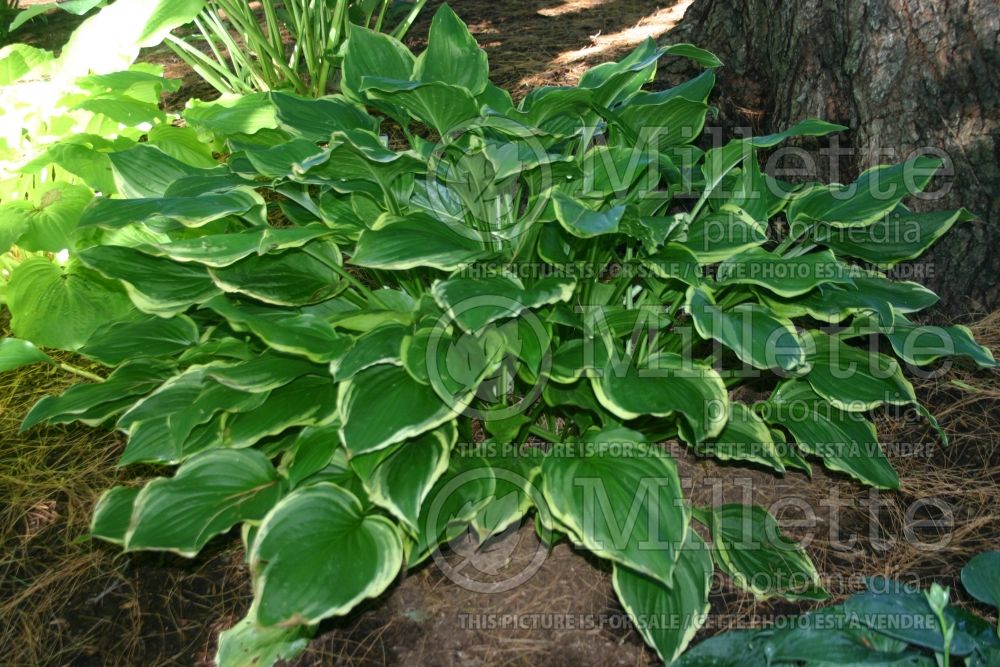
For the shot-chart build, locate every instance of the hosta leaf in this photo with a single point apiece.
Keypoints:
(15, 353)
(440, 106)
(306, 401)
(147, 172)
(113, 514)
(379, 346)
(668, 616)
(475, 303)
(452, 55)
(665, 385)
(981, 578)
(264, 372)
(116, 343)
(581, 221)
(46, 223)
(167, 213)
(358, 155)
(209, 495)
(93, 403)
(876, 192)
(61, 306)
(232, 115)
(417, 240)
(405, 407)
(219, 250)
(757, 336)
(370, 53)
(785, 276)
(732, 648)
(718, 236)
(317, 119)
(921, 344)
(903, 295)
(854, 379)
(750, 548)
(676, 121)
(182, 143)
(675, 261)
(899, 236)
(156, 286)
(744, 438)
(846, 441)
(307, 335)
(619, 497)
(317, 554)
(250, 644)
(893, 600)
(313, 450)
(516, 473)
(287, 278)
(399, 477)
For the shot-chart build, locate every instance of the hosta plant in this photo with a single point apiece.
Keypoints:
(395, 309)
(890, 623)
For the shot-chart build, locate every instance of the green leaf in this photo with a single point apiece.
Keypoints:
(61, 307)
(15, 353)
(440, 106)
(417, 240)
(113, 514)
(381, 345)
(981, 577)
(757, 336)
(668, 616)
(750, 548)
(171, 213)
(452, 56)
(317, 554)
(94, 403)
(48, 222)
(156, 286)
(722, 235)
(664, 385)
(306, 335)
(853, 379)
(875, 193)
(785, 276)
(220, 250)
(286, 278)
(675, 261)
(846, 441)
(317, 119)
(146, 171)
(475, 303)
(744, 438)
(406, 408)
(118, 342)
(899, 236)
(249, 644)
(309, 400)
(210, 494)
(619, 497)
(399, 477)
(582, 221)
(921, 344)
(19, 60)
(370, 53)
(232, 115)
(183, 144)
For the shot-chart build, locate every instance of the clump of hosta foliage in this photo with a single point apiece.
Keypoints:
(376, 276)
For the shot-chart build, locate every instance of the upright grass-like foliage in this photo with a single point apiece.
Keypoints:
(249, 55)
(323, 324)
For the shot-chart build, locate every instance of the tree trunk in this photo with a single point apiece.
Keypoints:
(904, 75)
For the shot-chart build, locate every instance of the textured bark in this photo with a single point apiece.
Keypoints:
(903, 75)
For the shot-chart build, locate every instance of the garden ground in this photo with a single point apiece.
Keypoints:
(67, 600)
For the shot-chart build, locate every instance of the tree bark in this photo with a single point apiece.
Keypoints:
(904, 75)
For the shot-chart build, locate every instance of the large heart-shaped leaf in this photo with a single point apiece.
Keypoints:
(317, 554)
(619, 497)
